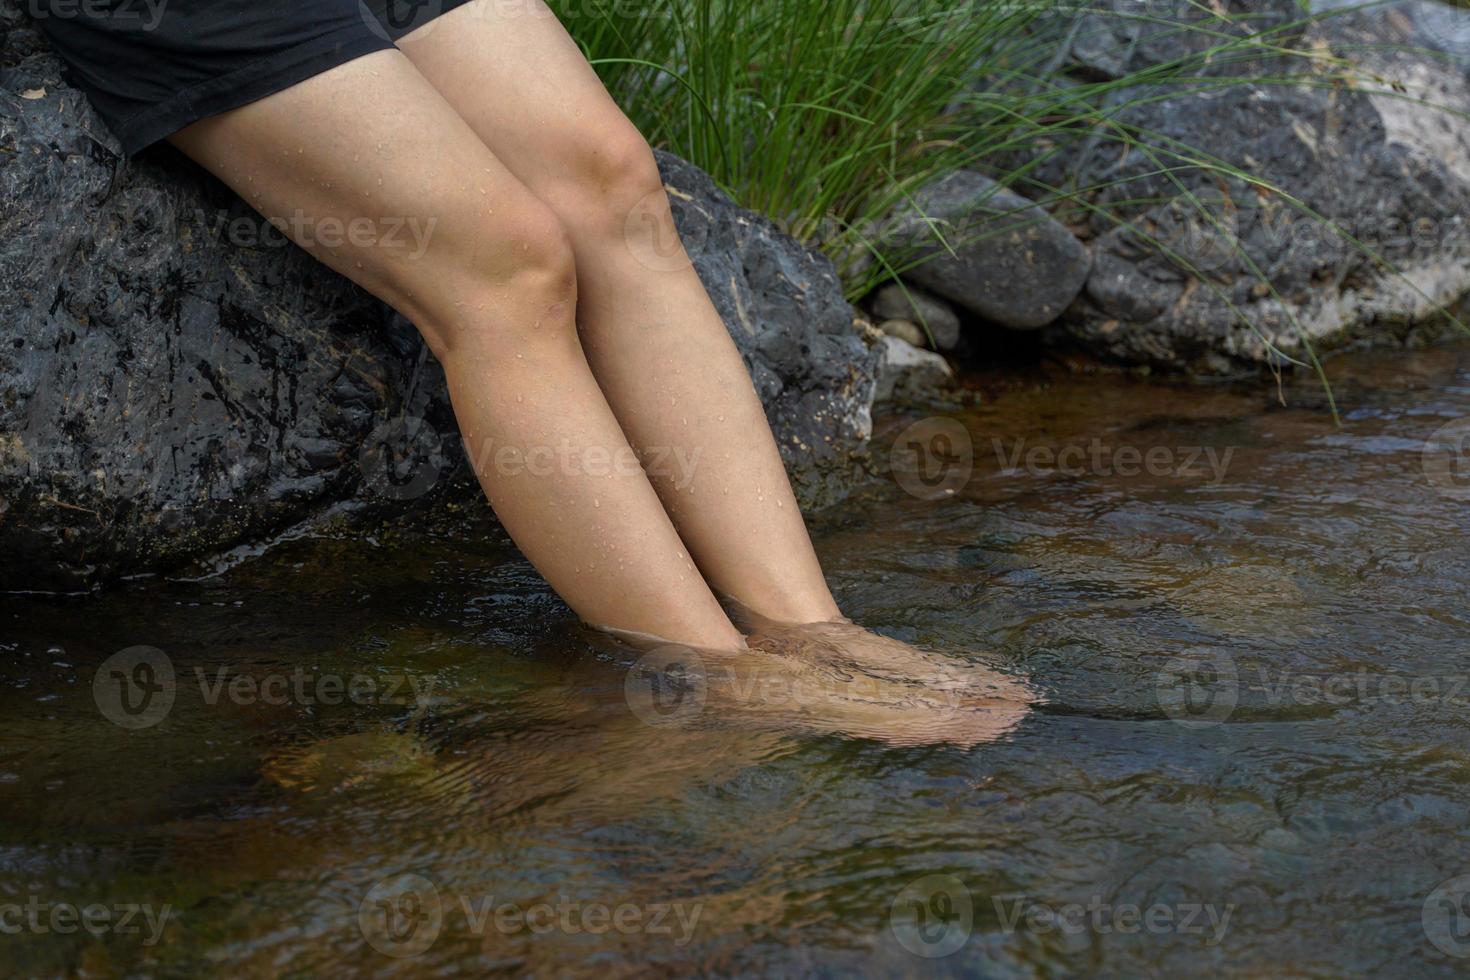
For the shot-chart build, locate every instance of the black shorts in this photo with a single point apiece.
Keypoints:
(152, 67)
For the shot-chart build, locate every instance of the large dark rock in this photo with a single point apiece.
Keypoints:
(1008, 261)
(1218, 272)
(177, 380)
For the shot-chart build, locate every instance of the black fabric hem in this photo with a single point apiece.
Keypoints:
(247, 84)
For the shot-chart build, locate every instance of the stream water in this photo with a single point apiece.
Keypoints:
(403, 757)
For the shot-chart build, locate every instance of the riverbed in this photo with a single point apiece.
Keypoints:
(402, 755)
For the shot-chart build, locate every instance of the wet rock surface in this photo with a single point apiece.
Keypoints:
(1366, 244)
(177, 380)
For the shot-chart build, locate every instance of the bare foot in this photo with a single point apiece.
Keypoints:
(831, 678)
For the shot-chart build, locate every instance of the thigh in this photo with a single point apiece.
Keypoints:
(368, 168)
(517, 77)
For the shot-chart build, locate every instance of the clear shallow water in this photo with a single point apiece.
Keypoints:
(1257, 737)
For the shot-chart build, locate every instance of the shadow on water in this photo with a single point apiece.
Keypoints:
(1249, 626)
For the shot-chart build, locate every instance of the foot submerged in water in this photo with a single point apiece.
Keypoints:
(832, 677)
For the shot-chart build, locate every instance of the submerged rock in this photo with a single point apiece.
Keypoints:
(176, 379)
(1368, 240)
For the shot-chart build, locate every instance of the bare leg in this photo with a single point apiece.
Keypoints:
(655, 342)
(493, 289)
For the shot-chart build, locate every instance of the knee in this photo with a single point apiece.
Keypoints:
(510, 281)
(609, 174)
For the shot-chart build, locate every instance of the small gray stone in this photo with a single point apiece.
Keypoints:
(1014, 264)
(905, 330)
(897, 302)
(906, 372)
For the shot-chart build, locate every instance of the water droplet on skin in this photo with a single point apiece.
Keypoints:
(519, 399)
(780, 503)
(722, 418)
(596, 503)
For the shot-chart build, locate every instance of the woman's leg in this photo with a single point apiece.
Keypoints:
(341, 159)
(655, 342)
